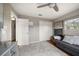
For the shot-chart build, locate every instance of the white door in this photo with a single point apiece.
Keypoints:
(22, 31)
(45, 30)
(34, 31)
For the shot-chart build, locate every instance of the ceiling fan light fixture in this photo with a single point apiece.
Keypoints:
(52, 5)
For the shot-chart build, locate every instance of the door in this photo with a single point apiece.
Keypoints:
(22, 31)
(13, 28)
(33, 31)
(45, 30)
(25, 31)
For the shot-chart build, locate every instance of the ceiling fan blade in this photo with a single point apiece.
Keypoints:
(47, 4)
(56, 8)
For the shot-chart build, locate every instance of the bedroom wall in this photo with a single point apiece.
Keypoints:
(60, 25)
(1, 18)
(41, 30)
(6, 31)
(71, 15)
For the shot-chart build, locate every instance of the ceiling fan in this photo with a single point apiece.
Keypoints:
(50, 5)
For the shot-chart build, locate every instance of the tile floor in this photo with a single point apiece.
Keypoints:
(40, 49)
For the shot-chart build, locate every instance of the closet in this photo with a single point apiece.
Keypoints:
(45, 30)
(22, 31)
(32, 31)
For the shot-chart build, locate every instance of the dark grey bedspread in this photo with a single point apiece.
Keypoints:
(69, 48)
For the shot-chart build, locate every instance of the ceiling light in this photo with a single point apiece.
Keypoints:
(13, 18)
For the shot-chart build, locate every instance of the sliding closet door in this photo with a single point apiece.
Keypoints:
(45, 30)
(22, 31)
(33, 31)
(25, 31)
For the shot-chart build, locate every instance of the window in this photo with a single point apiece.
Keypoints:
(71, 27)
(71, 24)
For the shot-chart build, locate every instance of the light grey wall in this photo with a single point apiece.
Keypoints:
(7, 23)
(72, 15)
(6, 31)
(1, 18)
(1, 12)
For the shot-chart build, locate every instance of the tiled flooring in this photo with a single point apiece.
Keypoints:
(40, 49)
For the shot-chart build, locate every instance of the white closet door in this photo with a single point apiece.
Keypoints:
(45, 30)
(22, 31)
(25, 31)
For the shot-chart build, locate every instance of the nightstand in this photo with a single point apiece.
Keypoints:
(52, 40)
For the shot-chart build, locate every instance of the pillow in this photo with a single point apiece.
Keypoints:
(76, 40)
(57, 37)
(62, 37)
(69, 39)
(66, 39)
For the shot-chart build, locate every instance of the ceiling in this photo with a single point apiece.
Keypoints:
(30, 9)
